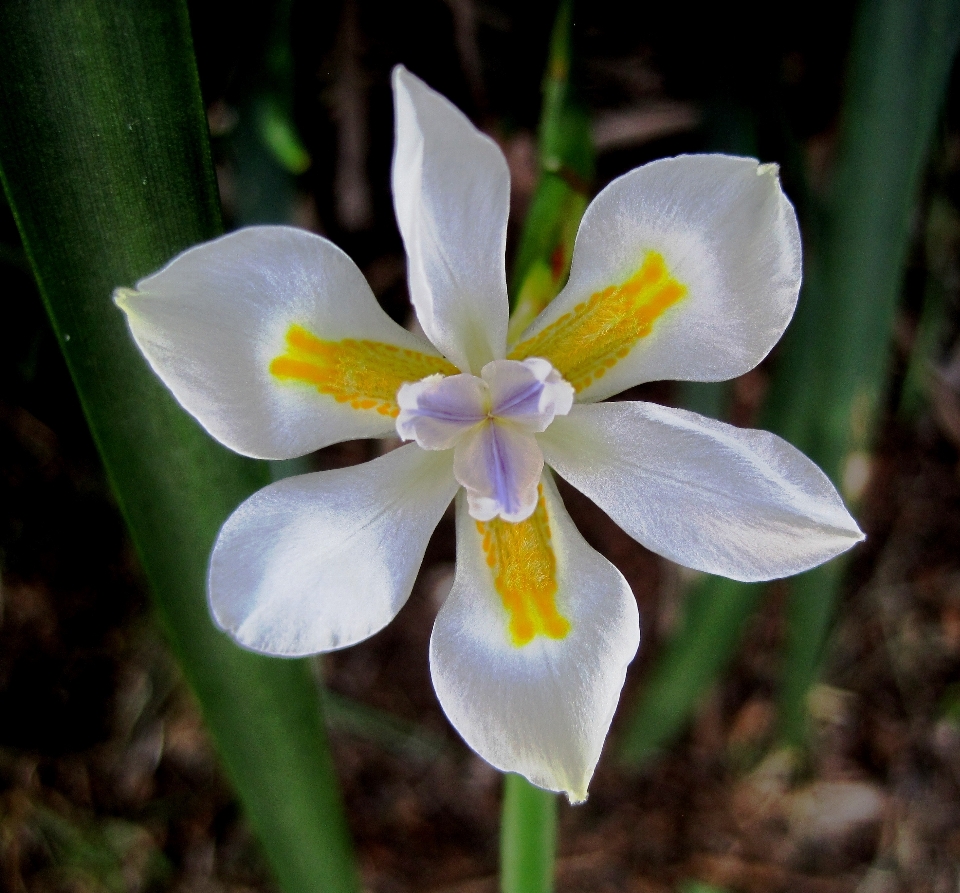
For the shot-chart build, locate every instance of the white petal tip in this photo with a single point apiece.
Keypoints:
(772, 169)
(402, 75)
(846, 530)
(123, 296)
(576, 796)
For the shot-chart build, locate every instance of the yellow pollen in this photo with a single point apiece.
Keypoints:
(593, 337)
(365, 374)
(524, 571)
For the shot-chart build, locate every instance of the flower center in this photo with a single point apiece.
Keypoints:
(489, 421)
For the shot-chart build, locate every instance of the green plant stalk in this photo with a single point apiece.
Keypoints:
(106, 165)
(528, 837)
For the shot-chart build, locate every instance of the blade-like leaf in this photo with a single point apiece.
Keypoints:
(105, 161)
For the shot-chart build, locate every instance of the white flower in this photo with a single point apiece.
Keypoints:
(686, 268)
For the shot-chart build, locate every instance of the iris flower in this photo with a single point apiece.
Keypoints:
(686, 268)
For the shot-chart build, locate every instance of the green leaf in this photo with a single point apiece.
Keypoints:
(280, 136)
(105, 161)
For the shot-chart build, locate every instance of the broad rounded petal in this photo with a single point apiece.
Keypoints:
(500, 467)
(686, 268)
(539, 704)
(451, 191)
(436, 411)
(215, 319)
(528, 393)
(737, 502)
(322, 561)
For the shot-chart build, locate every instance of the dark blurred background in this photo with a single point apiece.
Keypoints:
(107, 780)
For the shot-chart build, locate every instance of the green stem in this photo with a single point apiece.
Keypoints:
(528, 837)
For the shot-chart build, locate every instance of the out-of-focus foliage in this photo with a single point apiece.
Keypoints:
(832, 367)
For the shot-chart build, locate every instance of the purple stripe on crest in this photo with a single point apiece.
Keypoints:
(500, 472)
(432, 408)
(524, 401)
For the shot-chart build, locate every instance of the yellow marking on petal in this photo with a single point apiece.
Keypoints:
(524, 569)
(365, 374)
(599, 332)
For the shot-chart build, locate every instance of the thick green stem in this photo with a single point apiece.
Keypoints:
(528, 837)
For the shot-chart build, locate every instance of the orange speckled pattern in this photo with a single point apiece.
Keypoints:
(593, 337)
(365, 374)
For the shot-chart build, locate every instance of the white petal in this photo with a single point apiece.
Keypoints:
(529, 393)
(321, 561)
(727, 233)
(213, 319)
(541, 709)
(451, 191)
(437, 410)
(500, 467)
(737, 502)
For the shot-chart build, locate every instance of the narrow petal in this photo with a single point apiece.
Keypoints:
(272, 339)
(451, 191)
(322, 561)
(500, 467)
(737, 502)
(436, 411)
(530, 394)
(686, 268)
(530, 649)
